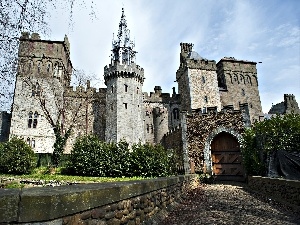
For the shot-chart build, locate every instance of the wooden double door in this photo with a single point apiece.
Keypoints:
(226, 158)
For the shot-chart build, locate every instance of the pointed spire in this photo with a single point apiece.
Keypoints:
(122, 47)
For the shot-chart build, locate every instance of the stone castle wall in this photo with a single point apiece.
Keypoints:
(238, 80)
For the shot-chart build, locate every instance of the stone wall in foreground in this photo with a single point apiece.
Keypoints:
(115, 203)
(282, 190)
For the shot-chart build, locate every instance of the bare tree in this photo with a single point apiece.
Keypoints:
(17, 16)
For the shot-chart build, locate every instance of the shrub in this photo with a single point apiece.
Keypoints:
(17, 157)
(281, 132)
(150, 161)
(92, 157)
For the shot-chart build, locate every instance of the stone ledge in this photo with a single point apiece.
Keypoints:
(49, 203)
(281, 190)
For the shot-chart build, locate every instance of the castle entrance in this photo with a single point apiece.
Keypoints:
(226, 158)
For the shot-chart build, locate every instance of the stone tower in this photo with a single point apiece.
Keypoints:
(238, 85)
(197, 80)
(290, 104)
(124, 99)
(44, 70)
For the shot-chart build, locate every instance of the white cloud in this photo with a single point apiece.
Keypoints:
(266, 31)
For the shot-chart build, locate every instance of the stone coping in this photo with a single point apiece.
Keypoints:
(48, 203)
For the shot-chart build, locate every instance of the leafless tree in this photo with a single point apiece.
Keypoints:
(17, 16)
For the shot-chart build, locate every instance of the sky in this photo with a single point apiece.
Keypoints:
(265, 31)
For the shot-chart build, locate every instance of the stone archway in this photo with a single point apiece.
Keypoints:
(222, 163)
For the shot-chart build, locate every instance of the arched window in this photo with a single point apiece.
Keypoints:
(38, 89)
(35, 121)
(30, 119)
(48, 67)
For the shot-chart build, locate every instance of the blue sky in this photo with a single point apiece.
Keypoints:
(265, 31)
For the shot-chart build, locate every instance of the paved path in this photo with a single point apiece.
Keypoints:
(229, 203)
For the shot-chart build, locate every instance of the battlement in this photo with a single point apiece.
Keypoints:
(158, 96)
(85, 92)
(123, 70)
(233, 64)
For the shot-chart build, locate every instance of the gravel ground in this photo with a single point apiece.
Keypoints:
(229, 203)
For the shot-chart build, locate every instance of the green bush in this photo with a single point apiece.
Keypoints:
(16, 157)
(281, 132)
(91, 157)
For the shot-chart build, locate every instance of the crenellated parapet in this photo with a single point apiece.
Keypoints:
(158, 97)
(122, 70)
(85, 92)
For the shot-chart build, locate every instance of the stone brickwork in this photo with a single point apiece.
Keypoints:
(201, 129)
(285, 191)
(132, 202)
(162, 113)
(288, 106)
(238, 84)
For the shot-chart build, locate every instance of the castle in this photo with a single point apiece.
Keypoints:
(224, 94)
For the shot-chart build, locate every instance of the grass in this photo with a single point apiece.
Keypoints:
(55, 174)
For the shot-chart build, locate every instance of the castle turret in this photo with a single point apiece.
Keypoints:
(124, 100)
(197, 80)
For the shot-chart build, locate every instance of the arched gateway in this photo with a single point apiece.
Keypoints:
(226, 157)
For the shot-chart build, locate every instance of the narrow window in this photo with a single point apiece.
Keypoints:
(204, 110)
(203, 79)
(55, 71)
(205, 99)
(39, 67)
(28, 141)
(176, 114)
(243, 92)
(137, 90)
(126, 87)
(33, 90)
(48, 67)
(125, 105)
(35, 119)
(38, 89)
(30, 119)
(112, 89)
(33, 143)
(111, 107)
(147, 128)
(151, 126)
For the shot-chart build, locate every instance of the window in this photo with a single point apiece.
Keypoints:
(126, 87)
(30, 119)
(204, 110)
(151, 127)
(35, 119)
(206, 99)
(125, 105)
(203, 79)
(176, 114)
(137, 90)
(36, 90)
(55, 70)
(28, 141)
(48, 67)
(147, 127)
(243, 92)
(33, 143)
(112, 89)
(39, 67)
